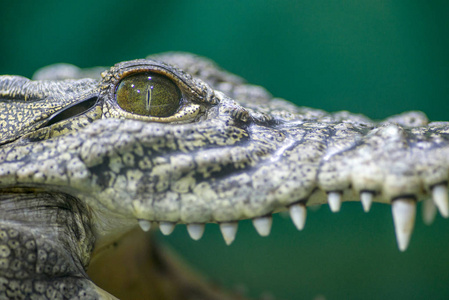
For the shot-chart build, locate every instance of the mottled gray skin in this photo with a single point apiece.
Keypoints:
(231, 152)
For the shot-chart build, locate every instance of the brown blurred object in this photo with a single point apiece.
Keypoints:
(135, 267)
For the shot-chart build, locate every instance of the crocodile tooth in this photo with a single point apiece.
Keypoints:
(367, 199)
(263, 225)
(229, 230)
(439, 196)
(404, 212)
(429, 211)
(298, 214)
(195, 230)
(166, 227)
(145, 225)
(334, 200)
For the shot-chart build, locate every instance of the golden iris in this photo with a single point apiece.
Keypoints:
(148, 94)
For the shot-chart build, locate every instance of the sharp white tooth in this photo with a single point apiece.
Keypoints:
(298, 214)
(229, 230)
(439, 196)
(404, 212)
(166, 227)
(429, 211)
(195, 231)
(367, 200)
(263, 225)
(334, 201)
(145, 225)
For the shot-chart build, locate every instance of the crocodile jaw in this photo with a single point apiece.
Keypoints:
(284, 174)
(245, 156)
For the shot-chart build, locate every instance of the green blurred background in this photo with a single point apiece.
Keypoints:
(373, 57)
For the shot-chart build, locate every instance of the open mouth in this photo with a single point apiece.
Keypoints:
(348, 255)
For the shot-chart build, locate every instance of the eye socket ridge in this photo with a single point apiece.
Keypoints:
(148, 94)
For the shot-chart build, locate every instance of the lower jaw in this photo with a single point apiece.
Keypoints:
(347, 255)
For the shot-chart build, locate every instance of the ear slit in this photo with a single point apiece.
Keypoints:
(72, 110)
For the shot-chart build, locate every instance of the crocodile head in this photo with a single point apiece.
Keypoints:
(174, 139)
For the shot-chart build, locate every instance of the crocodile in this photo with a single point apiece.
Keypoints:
(86, 155)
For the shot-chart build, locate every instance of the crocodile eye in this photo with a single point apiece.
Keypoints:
(148, 94)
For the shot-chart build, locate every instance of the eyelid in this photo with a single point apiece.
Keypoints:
(185, 113)
(177, 80)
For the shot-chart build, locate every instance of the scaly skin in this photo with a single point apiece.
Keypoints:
(231, 152)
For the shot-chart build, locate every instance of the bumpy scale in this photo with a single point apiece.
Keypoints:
(77, 168)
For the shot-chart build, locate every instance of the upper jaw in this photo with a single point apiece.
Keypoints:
(236, 159)
(264, 169)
